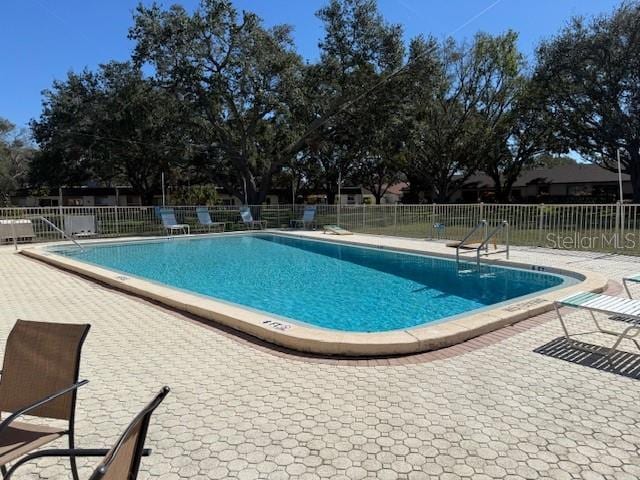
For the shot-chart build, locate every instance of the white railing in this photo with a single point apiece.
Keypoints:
(594, 227)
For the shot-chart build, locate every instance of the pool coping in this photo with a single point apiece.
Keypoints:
(331, 342)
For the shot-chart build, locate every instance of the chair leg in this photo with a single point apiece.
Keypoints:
(3, 470)
(72, 459)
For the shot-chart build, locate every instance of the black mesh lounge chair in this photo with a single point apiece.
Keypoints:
(122, 461)
(40, 379)
(204, 219)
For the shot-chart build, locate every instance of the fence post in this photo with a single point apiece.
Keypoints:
(481, 212)
(622, 218)
(540, 223)
(14, 234)
(395, 217)
(116, 215)
(618, 223)
(433, 219)
(364, 215)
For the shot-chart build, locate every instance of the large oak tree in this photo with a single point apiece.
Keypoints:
(238, 79)
(591, 75)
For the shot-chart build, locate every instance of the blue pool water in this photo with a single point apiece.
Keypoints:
(320, 283)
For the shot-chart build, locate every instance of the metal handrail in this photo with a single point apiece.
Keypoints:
(55, 227)
(504, 225)
(481, 223)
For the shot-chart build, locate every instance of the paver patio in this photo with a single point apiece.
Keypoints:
(237, 410)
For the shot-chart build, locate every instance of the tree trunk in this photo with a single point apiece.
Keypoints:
(146, 196)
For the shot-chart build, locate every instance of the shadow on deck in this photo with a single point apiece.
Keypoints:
(621, 363)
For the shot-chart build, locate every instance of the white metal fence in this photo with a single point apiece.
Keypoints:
(593, 227)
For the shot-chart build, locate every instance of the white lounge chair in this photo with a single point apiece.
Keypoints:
(248, 220)
(308, 218)
(631, 279)
(627, 309)
(80, 225)
(16, 229)
(170, 223)
(204, 219)
(336, 230)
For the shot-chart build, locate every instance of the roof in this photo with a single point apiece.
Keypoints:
(577, 173)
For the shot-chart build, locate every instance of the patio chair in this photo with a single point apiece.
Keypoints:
(40, 379)
(80, 225)
(626, 310)
(204, 219)
(248, 220)
(631, 279)
(122, 461)
(308, 218)
(336, 230)
(171, 224)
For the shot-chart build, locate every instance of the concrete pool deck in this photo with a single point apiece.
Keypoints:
(238, 410)
(306, 338)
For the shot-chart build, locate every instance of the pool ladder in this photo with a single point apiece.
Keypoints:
(484, 244)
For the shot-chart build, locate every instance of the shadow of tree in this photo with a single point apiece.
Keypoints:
(621, 363)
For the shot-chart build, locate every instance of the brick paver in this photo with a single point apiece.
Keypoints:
(239, 410)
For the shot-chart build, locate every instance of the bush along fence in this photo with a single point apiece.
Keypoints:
(591, 227)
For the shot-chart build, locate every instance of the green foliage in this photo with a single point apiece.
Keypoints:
(229, 102)
(461, 99)
(113, 125)
(589, 73)
(15, 156)
(358, 49)
(238, 80)
(205, 195)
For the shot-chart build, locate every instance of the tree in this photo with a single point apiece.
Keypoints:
(112, 126)
(238, 80)
(460, 96)
(521, 136)
(358, 50)
(590, 74)
(15, 156)
(547, 160)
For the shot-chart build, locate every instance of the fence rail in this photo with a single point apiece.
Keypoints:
(592, 227)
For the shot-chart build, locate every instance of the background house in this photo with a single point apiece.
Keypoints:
(577, 183)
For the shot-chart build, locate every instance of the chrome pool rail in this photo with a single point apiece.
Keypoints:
(504, 225)
(68, 237)
(481, 224)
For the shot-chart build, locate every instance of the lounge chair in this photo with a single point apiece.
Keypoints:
(336, 230)
(171, 224)
(122, 461)
(308, 218)
(248, 220)
(631, 279)
(627, 309)
(40, 379)
(16, 229)
(204, 219)
(80, 225)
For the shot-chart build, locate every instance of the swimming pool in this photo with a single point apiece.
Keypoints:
(326, 285)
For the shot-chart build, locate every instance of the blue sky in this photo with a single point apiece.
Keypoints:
(43, 39)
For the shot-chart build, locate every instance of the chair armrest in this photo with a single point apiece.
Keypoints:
(7, 421)
(62, 452)
(77, 452)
